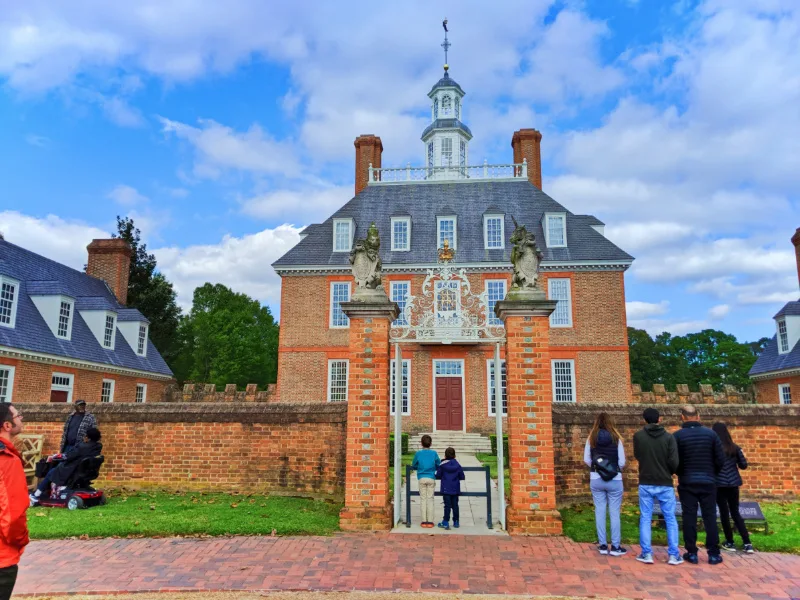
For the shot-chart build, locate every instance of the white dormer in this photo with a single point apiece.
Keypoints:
(788, 330)
(555, 229)
(100, 319)
(601, 229)
(343, 232)
(135, 328)
(58, 312)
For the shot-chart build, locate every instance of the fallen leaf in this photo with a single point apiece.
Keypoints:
(274, 533)
(40, 514)
(234, 504)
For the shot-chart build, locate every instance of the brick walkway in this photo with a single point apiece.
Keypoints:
(386, 562)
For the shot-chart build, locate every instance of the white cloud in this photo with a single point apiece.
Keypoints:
(676, 327)
(298, 205)
(720, 311)
(125, 195)
(639, 236)
(121, 113)
(637, 310)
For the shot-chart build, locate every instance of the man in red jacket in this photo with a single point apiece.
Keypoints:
(14, 500)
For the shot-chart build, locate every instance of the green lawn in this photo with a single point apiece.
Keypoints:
(164, 514)
(783, 518)
(491, 461)
(405, 459)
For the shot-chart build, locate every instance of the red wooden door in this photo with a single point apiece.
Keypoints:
(449, 412)
(58, 396)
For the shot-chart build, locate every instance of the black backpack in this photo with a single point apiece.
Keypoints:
(605, 468)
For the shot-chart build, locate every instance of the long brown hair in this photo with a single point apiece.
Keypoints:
(603, 421)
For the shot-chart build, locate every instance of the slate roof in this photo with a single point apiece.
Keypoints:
(791, 309)
(31, 333)
(468, 201)
(131, 314)
(770, 359)
(446, 124)
(446, 81)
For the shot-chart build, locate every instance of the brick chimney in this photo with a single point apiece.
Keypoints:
(110, 260)
(796, 242)
(368, 150)
(527, 146)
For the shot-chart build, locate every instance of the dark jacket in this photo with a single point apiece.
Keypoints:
(606, 447)
(88, 422)
(700, 453)
(451, 473)
(67, 468)
(657, 453)
(729, 475)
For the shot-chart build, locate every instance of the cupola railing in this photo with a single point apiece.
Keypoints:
(448, 173)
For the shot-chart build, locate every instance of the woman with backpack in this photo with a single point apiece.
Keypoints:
(728, 483)
(605, 456)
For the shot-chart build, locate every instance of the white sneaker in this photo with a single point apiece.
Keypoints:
(34, 500)
(646, 558)
(675, 560)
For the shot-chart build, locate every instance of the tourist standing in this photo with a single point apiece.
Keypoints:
(701, 458)
(425, 463)
(605, 456)
(76, 426)
(657, 453)
(13, 500)
(729, 480)
(451, 474)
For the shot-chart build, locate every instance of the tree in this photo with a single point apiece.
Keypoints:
(228, 338)
(151, 293)
(758, 347)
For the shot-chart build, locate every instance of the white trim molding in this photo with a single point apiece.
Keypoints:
(784, 393)
(346, 363)
(406, 387)
(439, 220)
(489, 386)
(565, 283)
(350, 232)
(572, 392)
(63, 387)
(8, 385)
(111, 385)
(492, 217)
(395, 246)
(546, 226)
(334, 284)
(143, 387)
(12, 313)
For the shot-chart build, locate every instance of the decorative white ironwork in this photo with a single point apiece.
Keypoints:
(453, 172)
(447, 312)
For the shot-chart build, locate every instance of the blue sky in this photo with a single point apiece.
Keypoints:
(224, 130)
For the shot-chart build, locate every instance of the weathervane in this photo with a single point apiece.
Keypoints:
(446, 45)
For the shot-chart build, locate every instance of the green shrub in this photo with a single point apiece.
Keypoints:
(493, 440)
(403, 446)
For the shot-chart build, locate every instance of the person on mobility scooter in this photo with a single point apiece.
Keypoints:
(68, 477)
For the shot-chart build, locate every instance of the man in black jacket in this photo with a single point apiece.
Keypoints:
(657, 453)
(701, 458)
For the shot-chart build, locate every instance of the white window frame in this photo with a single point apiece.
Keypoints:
(492, 318)
(331, 311)
(447, 109)
(59, 387)
(400, 320)
(563, 217)
(406, 387)
(346, 377)
(783, 337)
(396, 247)
(143, 387)
(350, 228)
(111, 390)
(568, 301)
(572, 372)
(784, 389)
(490, 391)
(446, 156)
(439, 221)
(10, 383)
(139, 338)
(14, 303)
(492, 217)
(113, 317)
(71, 303)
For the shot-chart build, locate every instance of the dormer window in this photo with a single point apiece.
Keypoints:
(401, 234)
(493, 234)
(9, 292)
(447, 105)
(141, 345)
(446, 228)
(108, 332)
(65, 312)
(342, 235)
(783, 337)
(555, 230)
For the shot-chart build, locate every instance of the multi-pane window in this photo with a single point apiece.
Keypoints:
(447, 231)
(340, 292)
(6, 383)
(556, 231)
(447, 152)
(783, 337)
(406, 406)
(563, 381)
(448, 367)
(785, 393)
(401, 227)
(462, 156)
(559, 289)
(142, 343)
(447, 105)
(108, 333)
(458, 109)
(141, 393)
(436, 108)
(8, 298)
(342, 235)
(400, 291)
(64, 315)
(493, 231)
(495, 291)
(61, 387)
(107, 393)
(337, 381)
(503, 390)
(430, 154)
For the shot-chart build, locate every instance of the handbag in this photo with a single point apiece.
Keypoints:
(605, 468)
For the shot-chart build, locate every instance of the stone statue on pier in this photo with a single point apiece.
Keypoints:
(525, 258)
(367, 267)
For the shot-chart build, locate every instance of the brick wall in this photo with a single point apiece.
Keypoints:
(33, 380)
(681, 395)
(769, 436)
(766, 390)
(286, 448)
(198, 392)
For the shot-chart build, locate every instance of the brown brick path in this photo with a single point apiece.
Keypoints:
(385, 562)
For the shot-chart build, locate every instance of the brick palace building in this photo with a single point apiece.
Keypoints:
(448, 373)
(66, 335)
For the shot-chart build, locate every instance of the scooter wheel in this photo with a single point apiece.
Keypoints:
(75, 503)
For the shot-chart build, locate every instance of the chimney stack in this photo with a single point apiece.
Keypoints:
(368, 150)
(527, 146)
(110, 260)
(796, 242)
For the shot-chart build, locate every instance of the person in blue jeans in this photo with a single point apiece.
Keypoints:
(451, 474)
(604, 442)
(657, 453)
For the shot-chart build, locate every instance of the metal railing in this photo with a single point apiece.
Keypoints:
(487, 494)
(449, 173)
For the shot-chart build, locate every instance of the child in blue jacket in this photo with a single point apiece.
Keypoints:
(451, 474)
